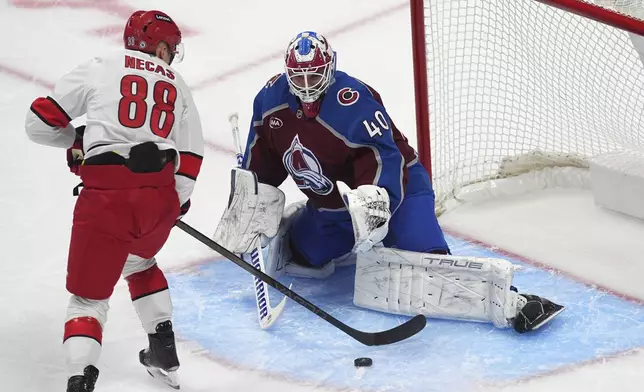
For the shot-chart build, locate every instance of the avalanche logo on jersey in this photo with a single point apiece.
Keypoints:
(347, 96)
(305, 169)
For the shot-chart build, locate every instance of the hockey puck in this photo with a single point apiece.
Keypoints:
(363, 362)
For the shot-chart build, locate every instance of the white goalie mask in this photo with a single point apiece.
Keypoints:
(310, 66)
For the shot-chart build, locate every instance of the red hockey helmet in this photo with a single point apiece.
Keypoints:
(146, 29)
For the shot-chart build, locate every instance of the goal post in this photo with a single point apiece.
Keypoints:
(419, 56)
(518, 95)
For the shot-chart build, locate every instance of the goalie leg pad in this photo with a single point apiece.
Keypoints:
(254, 209)
(439, 286)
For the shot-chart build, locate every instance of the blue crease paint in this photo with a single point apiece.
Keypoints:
(215, 307)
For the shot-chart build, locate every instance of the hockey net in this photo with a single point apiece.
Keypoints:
(517, 95)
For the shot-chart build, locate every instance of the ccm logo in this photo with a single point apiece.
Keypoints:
(275, 123)
(259, 285)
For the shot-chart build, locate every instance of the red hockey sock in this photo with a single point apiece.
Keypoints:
(150, 296)
(148, 282)
(87, 327)
(82, 343)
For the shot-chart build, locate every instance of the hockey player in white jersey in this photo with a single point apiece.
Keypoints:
(138, 157)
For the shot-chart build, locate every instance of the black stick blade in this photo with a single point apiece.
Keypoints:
(394, 335)
(401, 332)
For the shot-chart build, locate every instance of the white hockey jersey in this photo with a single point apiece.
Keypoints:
(129, 98)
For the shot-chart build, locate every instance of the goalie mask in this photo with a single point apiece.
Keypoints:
(310, 67)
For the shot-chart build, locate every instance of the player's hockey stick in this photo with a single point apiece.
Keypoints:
(266, 314)
(401, 332)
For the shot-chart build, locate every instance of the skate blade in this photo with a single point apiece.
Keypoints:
(553, 315)
(170, 379)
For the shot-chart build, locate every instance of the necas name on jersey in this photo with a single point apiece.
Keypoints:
(147, 65)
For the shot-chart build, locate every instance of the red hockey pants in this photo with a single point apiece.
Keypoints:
(118, 212)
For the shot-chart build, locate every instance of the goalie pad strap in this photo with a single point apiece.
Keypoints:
(448, 287)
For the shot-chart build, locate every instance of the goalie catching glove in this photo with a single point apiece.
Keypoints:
(368, 206)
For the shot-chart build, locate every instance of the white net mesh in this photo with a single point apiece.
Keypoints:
(632, 8)
(511, 77)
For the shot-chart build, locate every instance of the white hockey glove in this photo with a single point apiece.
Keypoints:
(369, 209)
(254, 209)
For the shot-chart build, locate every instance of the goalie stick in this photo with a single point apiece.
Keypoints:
(266, 314)
(403, 331)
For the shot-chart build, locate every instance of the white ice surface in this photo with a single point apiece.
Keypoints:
(564, 230)
(236, 50)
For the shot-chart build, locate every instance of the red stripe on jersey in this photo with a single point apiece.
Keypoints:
(190, 164)
(146, 283)
(88, 327)
(50, 112)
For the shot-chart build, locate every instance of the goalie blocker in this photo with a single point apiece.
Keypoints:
(388, 280)
(255, 215)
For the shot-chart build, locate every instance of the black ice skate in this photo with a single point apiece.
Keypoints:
(84, 383)
(160, 359)
(535, 312)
